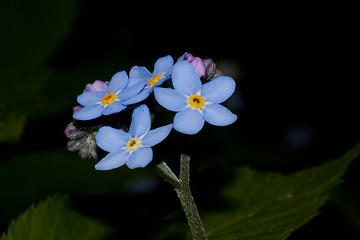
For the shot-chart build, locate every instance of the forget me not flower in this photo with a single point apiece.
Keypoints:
(109, 101)
(132, 148)
(196, 103)
(143, 77)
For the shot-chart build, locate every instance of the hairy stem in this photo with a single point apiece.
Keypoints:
(182, 189)
(165, 172)
(187, 201)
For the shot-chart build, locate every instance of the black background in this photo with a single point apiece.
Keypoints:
(294, 69)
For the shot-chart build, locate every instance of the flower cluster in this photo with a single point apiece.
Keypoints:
(198, 90)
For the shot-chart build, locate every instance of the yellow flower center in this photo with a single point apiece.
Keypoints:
(154, 80)
(108, 98)
(196, 101)
(133, 144)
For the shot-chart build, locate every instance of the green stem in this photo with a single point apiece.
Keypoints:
(182, 189)
(187, 201)
(165, 172)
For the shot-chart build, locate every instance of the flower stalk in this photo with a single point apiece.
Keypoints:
(165, 173)
(182, 189)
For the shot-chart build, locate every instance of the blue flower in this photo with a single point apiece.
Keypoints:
(97, 103)
(141, 76)
(196, 103)
(132, 148)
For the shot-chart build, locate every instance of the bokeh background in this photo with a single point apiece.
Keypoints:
(296, 100)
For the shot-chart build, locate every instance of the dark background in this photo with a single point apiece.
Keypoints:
(297, 99)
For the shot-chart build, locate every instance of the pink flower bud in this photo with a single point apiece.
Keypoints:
(96, 86)
(198, 64)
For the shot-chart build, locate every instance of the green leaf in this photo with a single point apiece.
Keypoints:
(11, 127)
(30, 38)
(31, 33)
(55, 219)
(271, 205)
(27, 176)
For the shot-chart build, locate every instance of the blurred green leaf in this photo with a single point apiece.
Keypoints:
(26, 177)
(272, 205)
(55, 219)
(11, 127)
(31, 32)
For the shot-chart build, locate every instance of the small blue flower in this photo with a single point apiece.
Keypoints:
(97, 103)
(196, 103)
(132, 148)
(142, 76)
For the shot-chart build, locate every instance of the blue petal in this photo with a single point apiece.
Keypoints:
(188, 121)
(111, 139)
(114, 107)
(218, 90)
(138, 98)
(89, 98)
(132, 91)
(113, 160)
(89, 112)
(156, 135)
(138, 74)
(184, 78)
(140, 121)
(183, 56)
(170, 99)
(118, 82)
(218, 115)
(140, 158)
(163, 65)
